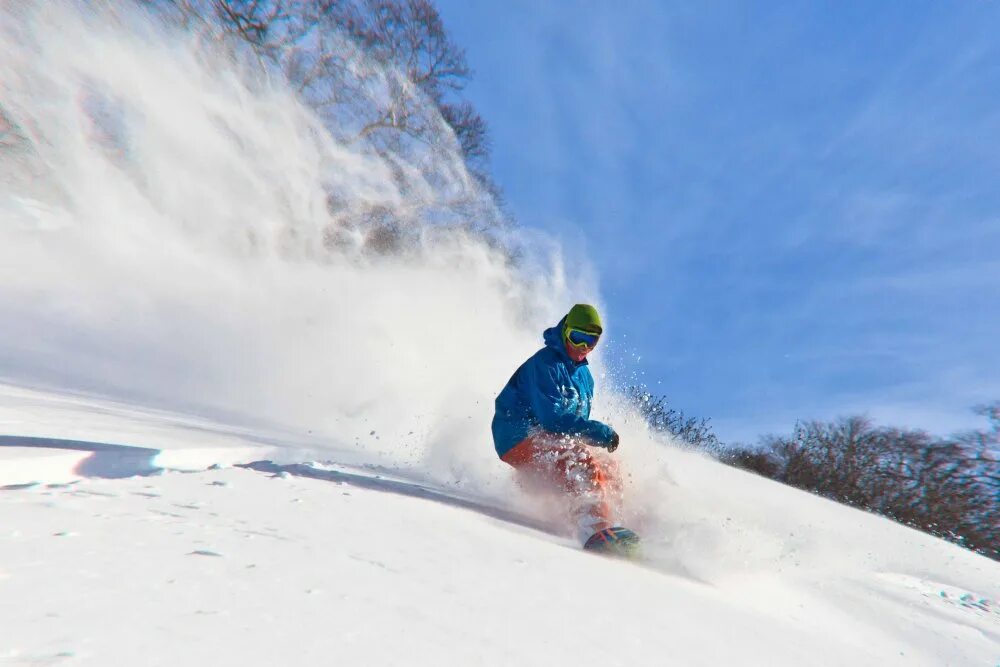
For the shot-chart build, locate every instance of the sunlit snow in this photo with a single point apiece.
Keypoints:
(222, 444)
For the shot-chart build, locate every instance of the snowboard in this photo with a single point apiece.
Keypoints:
(614, 541)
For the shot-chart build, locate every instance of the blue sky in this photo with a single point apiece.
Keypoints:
(793, 208)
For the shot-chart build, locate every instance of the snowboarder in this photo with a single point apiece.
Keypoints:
(542, 428)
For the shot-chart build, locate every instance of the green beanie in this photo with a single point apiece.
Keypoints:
(583, 316)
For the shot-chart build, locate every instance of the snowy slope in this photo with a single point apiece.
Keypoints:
(236, 566)
(170, 303)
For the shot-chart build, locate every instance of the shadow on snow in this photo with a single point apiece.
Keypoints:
(400, 487)
(105, 461)
(112, 461)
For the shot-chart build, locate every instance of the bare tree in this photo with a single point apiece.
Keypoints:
(307, 38)
(761, 461)
(946, 487)
(382, 73)
(661, 417)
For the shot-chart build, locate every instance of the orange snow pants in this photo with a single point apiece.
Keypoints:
(586, 476)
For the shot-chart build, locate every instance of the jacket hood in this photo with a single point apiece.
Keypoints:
(553, 339)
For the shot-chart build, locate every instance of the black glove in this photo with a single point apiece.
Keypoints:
(613, 445)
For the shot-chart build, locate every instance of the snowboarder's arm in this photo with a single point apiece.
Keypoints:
(557, 413)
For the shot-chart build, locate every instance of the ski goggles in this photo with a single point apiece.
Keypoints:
(580, 339)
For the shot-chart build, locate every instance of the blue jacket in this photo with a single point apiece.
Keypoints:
(549, 392)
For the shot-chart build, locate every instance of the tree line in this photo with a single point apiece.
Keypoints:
(948, 487)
